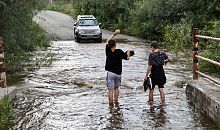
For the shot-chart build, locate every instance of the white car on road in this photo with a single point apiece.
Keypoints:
(87, 27)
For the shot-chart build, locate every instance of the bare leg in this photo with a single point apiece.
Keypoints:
(151, 94)
(116, 94)
(162, 95)
(110, 97)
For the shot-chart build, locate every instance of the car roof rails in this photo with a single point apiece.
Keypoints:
(86, 17)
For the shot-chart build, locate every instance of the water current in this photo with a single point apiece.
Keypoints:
(71, 94)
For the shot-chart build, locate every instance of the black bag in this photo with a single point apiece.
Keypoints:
(147, 84)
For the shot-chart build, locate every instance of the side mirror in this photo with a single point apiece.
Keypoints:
(75, 24)
(100, 24)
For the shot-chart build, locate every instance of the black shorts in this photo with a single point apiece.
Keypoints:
(158, 76)
(159, 86)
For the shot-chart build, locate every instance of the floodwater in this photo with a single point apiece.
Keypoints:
(71, 94)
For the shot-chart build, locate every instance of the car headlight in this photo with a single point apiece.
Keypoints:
(80, 31)
(98, 31)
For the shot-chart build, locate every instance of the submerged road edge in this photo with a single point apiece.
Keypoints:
(205, 95)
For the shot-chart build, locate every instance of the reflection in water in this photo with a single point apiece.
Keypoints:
(158, 116)
(115, 117)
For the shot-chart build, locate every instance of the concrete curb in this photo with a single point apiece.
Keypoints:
(205, 95)
(10, 91)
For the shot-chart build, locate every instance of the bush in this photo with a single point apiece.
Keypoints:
(111, 13)
(61, 6)
(5, 111)
(20, 34)
(207, 67)
(178, 37)
(211, 48)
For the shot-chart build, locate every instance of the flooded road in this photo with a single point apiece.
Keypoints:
(71, 94)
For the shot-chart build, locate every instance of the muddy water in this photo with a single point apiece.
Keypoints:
(71, 94)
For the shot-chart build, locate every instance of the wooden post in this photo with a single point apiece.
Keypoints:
(195, 52)
(2, 65)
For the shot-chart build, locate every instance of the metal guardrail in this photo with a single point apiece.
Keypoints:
(196, 56)
(208, 77)
(208, 38)
(206, 59)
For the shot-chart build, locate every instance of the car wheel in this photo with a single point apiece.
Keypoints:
(100, 40)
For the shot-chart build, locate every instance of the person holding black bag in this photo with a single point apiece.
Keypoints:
(155, 70)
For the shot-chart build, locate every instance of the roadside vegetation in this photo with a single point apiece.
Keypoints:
(21, 35)
(5, 112)
(168, 21)
(61, 6)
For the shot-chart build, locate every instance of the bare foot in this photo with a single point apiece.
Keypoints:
(116, 104)
(150, 102)
(111, 104)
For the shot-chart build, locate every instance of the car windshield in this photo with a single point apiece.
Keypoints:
(87, 22)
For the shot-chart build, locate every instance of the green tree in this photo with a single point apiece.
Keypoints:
(177, 37)
(20, 34)
(112, 13)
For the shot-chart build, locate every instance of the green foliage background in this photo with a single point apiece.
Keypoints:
(21, 35)
(5, 111)
(168, 21)
(61, 6)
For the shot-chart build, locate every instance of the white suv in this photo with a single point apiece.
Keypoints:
(87, 28)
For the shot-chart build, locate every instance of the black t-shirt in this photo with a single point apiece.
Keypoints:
(157, 58)
(114, 60)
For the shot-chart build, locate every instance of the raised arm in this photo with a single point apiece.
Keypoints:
(113, 35)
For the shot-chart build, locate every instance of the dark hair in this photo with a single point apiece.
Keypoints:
(154, 44)
(111, 43)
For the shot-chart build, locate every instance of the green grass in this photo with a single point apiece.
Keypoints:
(61, 6)
(5, 111)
